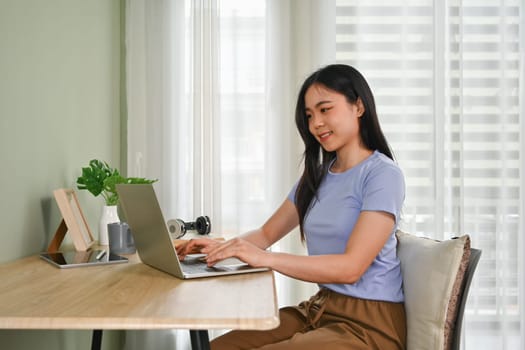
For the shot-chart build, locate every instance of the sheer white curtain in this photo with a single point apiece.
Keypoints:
(211, 93)
(201, 112)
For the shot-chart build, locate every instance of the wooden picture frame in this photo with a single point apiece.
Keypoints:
(73, 221)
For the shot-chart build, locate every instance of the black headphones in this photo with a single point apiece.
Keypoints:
(178, 228)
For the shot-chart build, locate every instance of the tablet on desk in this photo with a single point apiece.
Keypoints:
(87, 258)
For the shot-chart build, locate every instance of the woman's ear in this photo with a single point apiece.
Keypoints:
(360, 107)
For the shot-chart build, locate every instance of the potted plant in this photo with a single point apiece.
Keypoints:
(100, 179)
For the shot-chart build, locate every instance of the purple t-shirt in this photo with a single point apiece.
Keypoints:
(375, 184)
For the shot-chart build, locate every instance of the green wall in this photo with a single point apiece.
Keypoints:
(60, 106)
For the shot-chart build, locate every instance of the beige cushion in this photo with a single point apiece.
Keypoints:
(433, 273)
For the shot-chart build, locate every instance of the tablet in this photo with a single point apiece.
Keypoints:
(87, 258)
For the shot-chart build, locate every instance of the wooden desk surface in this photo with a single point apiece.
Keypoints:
(36, 295)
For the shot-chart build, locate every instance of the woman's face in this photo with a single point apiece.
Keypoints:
(332, 120)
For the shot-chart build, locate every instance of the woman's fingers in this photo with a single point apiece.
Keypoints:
(219, 251)
(193, 246)
(236, 247)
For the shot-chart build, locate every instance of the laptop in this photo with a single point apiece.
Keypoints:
(153, 241)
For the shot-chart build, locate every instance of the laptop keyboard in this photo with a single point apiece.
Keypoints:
(196, 266)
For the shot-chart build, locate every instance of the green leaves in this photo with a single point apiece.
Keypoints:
(100, 179)
(93, 177)
(110, 189)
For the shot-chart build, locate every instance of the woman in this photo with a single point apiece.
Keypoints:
(347, 204)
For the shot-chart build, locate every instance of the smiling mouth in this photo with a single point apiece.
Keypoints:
(324, 135)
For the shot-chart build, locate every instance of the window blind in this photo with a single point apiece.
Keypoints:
(446, 81)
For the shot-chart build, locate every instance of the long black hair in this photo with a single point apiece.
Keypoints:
(348, 81)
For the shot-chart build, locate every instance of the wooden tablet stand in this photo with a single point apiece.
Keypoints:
(60, 233)
(73, 221)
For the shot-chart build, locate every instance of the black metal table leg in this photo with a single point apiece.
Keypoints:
(199, 340)
(96, 339)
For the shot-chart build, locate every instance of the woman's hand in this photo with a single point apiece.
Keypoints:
(239, 248)
(194, 246)
(250, 247)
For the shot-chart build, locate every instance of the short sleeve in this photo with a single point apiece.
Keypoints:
(291, 194)
(384, 190)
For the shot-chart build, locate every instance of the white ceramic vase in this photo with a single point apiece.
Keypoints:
(109, 214)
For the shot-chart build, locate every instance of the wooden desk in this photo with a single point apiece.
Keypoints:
(36, 295)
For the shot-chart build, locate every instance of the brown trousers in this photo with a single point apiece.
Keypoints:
(327, 321)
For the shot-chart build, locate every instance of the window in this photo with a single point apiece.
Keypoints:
(446, 81)
(242, 111)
